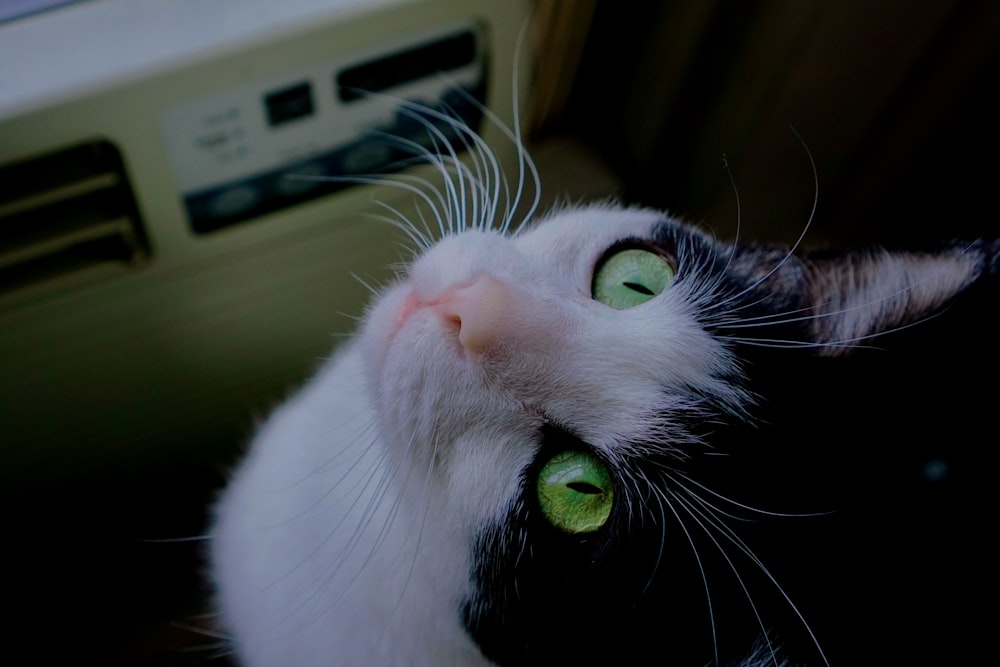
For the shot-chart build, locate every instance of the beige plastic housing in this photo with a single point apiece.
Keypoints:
(172, 357)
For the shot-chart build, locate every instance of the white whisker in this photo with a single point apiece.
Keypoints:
(695, 513)
(733, 538)
(702, 573)
(802, 234)
(674, 474)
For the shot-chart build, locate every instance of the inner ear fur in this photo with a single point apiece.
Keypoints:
(857, 295)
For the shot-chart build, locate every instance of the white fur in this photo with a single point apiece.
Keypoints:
(316, 561)
(345, 536)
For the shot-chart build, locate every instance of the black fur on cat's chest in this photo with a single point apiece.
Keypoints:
(882, 455)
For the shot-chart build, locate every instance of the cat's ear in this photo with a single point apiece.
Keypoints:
(857, 295)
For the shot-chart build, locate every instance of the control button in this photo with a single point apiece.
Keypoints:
(233, 201)
(299, 179)
(289, 104)
(366, 158)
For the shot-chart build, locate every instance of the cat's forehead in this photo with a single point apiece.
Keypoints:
(584, 232)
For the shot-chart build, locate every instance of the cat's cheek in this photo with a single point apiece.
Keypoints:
(380, 327)
(487, 477)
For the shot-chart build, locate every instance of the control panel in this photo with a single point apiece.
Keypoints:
(267, 145)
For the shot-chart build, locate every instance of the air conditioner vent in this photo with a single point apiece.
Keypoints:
(64, 212)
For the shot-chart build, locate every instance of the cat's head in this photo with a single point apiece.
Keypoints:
(489, 338)
(542, 393)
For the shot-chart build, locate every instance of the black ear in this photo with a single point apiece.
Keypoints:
(856, 295)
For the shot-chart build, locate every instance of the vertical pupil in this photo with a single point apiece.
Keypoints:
(583, 487)
(642, 289)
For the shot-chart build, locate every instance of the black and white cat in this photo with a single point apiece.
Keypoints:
(607, 435)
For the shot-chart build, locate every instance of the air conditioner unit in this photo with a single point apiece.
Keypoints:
(162, 281)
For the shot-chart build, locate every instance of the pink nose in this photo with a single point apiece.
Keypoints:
(478, 309)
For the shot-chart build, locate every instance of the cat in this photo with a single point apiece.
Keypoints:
(607, 435)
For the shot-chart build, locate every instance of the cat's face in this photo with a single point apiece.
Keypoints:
(538, 388)
(487, 339)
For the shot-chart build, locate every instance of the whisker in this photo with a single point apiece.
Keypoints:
(660, 500)
(174, 540)
(756, 510)
(784, 318)
(479, 180)
(850, 343)
(526, 165)
(419, 238)
(317, 547)
(704, 576)
(714, 286)
(424, 115)
(451, 168)
(476, 177)
(399, 181)
(425, 485)
(802, 234)
(374, 291)
(203, 631)
(383, 485)
(733, 538)
(693, 511)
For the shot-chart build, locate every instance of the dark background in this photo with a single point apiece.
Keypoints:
(895, 101)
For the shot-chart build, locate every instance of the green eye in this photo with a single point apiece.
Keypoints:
(575, 492)
(631, 277)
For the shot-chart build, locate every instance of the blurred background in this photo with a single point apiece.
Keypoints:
(893, 101)
(130, 379)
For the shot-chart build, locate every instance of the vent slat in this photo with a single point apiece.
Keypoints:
(59, 193)
(64, 212)
(122, 228)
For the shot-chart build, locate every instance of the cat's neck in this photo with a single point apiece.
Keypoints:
(378, 582)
